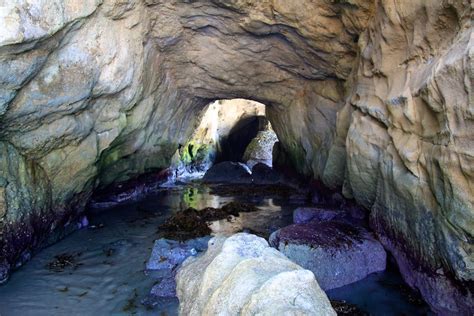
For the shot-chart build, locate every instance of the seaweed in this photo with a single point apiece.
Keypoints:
(191, 223)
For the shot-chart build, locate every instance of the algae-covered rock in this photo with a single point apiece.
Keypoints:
(336, 252)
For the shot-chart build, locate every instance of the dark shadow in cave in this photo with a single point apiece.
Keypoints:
(232, 148)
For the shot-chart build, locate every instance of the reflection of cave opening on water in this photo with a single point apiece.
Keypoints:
(227, 130)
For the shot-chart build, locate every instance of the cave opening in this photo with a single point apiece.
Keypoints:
(232, 148)
(233, 130)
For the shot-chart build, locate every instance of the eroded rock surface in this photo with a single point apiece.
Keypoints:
(242, 275)
(374, 97)
(260, 148)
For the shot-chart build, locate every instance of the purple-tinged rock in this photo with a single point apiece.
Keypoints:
(336, 252)
(166, 287)
(445, 294)
(168, 254)
(83, 222)
(163, 293)
(303, 215)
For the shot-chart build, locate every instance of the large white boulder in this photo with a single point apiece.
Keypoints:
(243, 275)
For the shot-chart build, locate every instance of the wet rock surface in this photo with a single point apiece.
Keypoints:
(281, 191)
(228, 172)
(338, 253)
(168, 254)
(4, 272)
(303, 215)
(164, 261)
(130, 190)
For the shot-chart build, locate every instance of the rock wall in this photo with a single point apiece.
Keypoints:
(374, 97)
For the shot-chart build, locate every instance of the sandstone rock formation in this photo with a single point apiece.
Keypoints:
(371, 97)
(242, 275)
(260, 148)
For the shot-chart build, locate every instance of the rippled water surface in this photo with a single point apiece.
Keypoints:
(107, 275)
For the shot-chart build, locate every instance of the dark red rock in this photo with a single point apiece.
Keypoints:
(303, 215)
(336, 252)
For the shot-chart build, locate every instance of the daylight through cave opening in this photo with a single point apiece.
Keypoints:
(235, 130)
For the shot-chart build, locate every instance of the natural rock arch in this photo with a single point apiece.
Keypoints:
(375, 98)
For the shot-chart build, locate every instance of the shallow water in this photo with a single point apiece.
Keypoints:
(108, 278)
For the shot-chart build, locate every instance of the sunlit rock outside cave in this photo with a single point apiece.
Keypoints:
(228, 157)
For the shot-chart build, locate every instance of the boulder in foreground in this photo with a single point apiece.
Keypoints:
(243, 275)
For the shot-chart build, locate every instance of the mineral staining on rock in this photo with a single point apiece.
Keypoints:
(242, 275)
(374, 98)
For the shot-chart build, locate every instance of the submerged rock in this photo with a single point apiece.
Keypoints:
(63, 261)
(166, 257)
(242, 275)
(168, 254)
(228, 172)
(336, 252)
(185, 225)
(165, 288)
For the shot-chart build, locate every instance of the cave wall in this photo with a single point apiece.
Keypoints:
(409, 143)
(371, 97)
